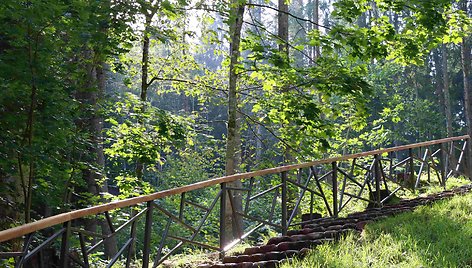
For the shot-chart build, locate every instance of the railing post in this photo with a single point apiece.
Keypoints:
(84, 251)
(26, 243)
(428, 159)
(132, 245)
(468, 158)
(312, 198)
(335, 189)
(147, 235)
(65, 246)
(182, 206)
(377, 174)
(248, 197)
(284, 202)
(222, 219)
(443, 165)
(412, 169)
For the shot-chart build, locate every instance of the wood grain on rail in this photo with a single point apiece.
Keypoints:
(19, 231)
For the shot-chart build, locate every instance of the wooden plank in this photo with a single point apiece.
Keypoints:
(18, 231)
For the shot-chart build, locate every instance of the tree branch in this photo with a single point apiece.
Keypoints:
(268, 129)
(288, 13)
(156, 78)
(279, 39)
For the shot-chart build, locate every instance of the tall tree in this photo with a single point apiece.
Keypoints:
(465, 62)
(316, 20)
(90, 93)
(149, 10)
(233, 139)
(446, 93)
(282, 29)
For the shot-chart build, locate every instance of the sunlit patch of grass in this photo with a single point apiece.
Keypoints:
(429, 187)
(238, 248)
(433, 236)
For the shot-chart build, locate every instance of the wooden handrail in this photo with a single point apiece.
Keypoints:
(19, 231)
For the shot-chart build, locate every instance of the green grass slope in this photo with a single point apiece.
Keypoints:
(435, 236)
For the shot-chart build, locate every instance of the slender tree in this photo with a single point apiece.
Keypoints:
(233, 139)
(149, 13)
(465, 61)
(445, 90)
(316, 20)
(282, 29)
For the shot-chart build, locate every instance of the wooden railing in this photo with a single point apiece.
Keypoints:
(334, 182)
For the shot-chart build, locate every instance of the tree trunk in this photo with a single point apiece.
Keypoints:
(144, 81)
(283, 27)
(110, 244)
(92, 124)
(145, 58)
(97, 125)
(465, 60)
(438, 80)
(447, 104)
(447, 98)
(233, 222)
(316, 20)
(283, 50)
(29, 132)
(257, 14)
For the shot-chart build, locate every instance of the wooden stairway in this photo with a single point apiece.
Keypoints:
(297, 243)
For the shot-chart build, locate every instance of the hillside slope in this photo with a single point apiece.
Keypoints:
(437, 235)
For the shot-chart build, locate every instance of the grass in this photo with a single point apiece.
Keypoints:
(190, 259)
(435, 236)
(425, 189)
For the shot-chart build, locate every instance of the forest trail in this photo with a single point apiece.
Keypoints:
(297, 243)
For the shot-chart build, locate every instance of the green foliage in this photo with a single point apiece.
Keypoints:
(190, 166)
(428, 24)
(303, 101)
(38, 132)
(142, 135)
